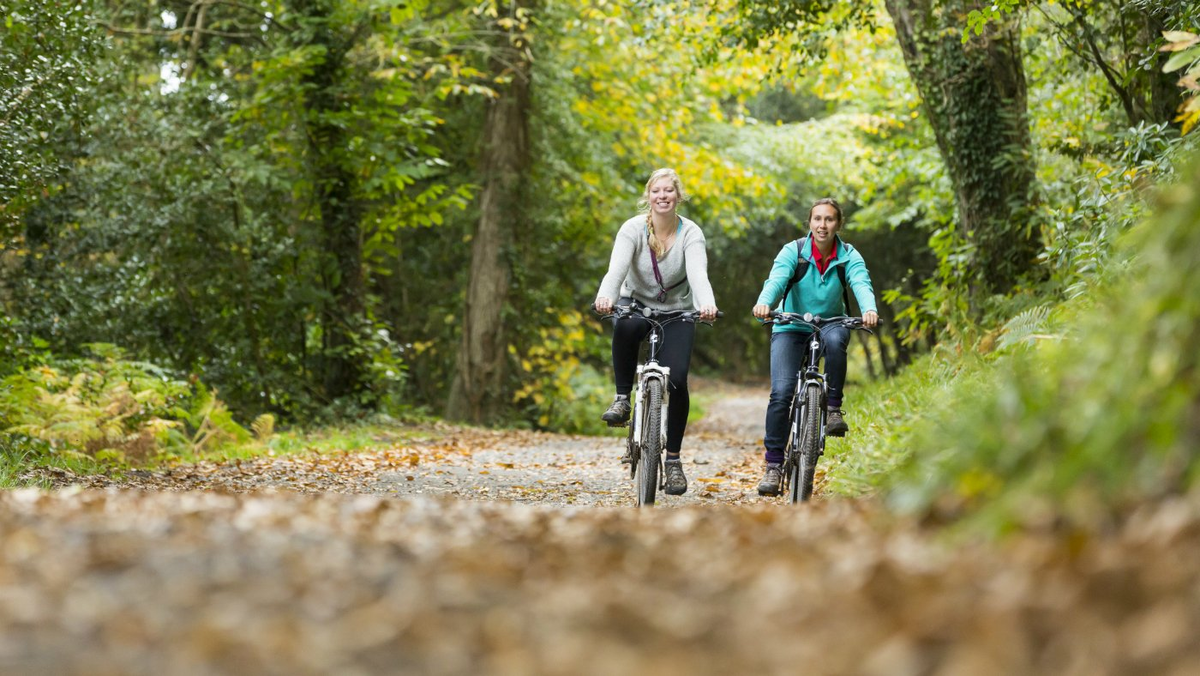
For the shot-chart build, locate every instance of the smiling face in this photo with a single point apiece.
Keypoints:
(823, 222)
(663, 196)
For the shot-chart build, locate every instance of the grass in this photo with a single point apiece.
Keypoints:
(886, 414)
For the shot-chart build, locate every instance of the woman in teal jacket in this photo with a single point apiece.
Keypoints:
(821, 292)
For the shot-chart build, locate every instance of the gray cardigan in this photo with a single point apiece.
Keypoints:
(630, 272)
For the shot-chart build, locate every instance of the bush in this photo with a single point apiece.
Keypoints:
(111, 410)
(1077, 429)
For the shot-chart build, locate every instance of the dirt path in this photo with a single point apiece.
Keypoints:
(342, 564)
(721, 457)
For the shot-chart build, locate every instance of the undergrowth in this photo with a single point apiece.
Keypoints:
(1081, 410)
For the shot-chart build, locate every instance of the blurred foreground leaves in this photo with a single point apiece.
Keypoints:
(199, 583)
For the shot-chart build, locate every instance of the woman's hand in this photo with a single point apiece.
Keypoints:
(603, 305)
(708, 312)
(762, 311)
(870, 319)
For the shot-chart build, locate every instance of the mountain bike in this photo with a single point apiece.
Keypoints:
(806, 437)
(647, 420)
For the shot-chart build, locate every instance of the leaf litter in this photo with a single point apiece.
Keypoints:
(409, 559)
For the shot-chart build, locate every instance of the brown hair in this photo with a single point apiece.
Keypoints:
(831, 202)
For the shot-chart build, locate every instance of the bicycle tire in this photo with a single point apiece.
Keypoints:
(646, 477)
(791, 466)
(808, 451)
(631, 447)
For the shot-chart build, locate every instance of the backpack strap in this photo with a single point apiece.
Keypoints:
(802, 265)
(798, 273)
(841, 270)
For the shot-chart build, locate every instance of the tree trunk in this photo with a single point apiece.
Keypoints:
(476, 393)
(866, 346)
(974, 97)
(1165, 95)
(344, 313)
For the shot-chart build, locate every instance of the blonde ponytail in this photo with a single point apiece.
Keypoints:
(652, 238)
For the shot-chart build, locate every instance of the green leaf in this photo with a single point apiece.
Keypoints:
(1180, 59)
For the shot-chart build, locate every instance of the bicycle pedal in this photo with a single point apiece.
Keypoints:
(618, 424)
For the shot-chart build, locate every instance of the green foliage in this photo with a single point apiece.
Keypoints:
(1079, 429)
(978, 19)
(47, 50)
(111, 410)
(561, 391)
(888, 414)
(1186, 58)
(803, 25)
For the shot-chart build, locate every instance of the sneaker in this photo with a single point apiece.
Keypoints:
(772, 480)
(676, 481)
(835, 426)
(618, 413)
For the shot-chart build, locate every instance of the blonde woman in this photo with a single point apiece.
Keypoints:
(659, 260)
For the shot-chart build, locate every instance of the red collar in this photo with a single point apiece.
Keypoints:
(822, 262)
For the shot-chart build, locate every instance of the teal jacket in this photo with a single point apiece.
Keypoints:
(820, 294)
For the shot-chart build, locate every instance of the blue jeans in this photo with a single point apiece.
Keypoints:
(788, 350)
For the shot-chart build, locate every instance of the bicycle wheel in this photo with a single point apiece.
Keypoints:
(646, 475)
(809, 449)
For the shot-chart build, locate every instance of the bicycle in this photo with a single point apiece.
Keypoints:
(647, 427)
(806, 437)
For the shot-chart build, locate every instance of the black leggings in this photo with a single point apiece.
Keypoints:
(674, 352)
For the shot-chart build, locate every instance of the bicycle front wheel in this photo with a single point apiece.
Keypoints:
(645, 478)
(808, 449)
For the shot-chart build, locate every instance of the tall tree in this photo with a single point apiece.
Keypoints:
(341, 210)
(476, 393)
(973, 93)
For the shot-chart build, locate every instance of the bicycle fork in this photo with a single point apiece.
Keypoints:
(646, 373)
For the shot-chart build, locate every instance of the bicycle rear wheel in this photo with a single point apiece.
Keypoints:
(808, 449)
(645, 478)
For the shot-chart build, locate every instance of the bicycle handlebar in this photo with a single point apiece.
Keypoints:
(815, 321)
(636, 309)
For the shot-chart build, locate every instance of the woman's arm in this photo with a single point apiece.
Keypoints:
(695, 260)
(781, 271)
(624, 248)
(859, 280)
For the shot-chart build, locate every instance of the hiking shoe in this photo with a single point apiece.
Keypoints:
(676, 481)
(618, 413)
(772, 481)
(835, 426)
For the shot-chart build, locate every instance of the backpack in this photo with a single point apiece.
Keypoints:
(802, 266)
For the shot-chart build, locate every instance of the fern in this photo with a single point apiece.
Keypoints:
(263, 426)
(1028, 327)
(113, 408)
